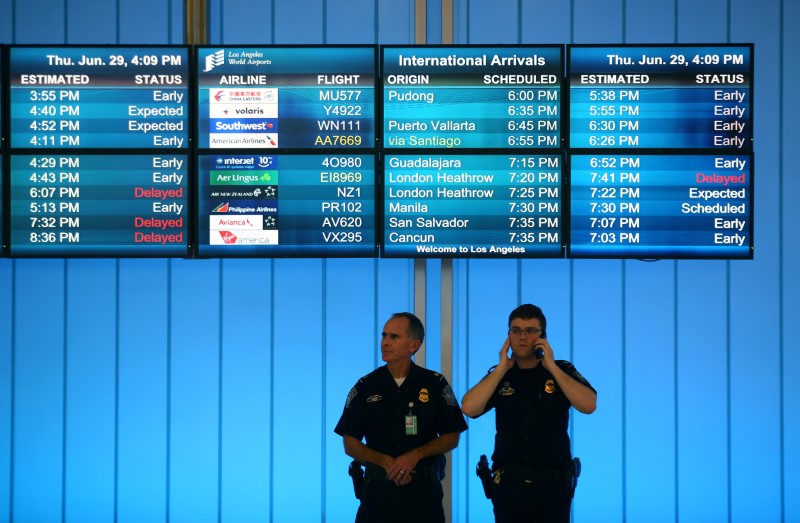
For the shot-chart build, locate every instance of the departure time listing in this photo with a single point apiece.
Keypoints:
(99, 205)
(95, 97)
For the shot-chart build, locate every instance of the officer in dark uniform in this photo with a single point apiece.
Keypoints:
(533, 473)
(410, 418)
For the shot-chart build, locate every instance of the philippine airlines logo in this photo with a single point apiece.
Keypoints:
(214, 60)
(223, 207)
(228, 237)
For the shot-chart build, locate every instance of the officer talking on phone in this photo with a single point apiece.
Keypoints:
(533, 475)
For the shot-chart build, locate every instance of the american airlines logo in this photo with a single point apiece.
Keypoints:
(213, 60)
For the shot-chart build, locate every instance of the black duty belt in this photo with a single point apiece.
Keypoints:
(532, 474)
(423, 473)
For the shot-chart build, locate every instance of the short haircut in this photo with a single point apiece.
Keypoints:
(526, 312)
(416, 331)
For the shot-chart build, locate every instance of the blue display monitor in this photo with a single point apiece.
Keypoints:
(286, 97)
(99, 157)
(286, 205)
(2, 155)
(99, 205)
(461, 97)
(678, 205)
(661, 97)
(473, 205)
(99, 97)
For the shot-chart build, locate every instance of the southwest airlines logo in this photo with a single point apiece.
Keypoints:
(214, 60)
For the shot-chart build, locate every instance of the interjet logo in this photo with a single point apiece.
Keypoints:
(214, 60)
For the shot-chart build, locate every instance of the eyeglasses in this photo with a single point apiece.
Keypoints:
(530, 331)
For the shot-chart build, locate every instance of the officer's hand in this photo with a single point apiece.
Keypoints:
(402, 467)
(506, 361)
(549, 357)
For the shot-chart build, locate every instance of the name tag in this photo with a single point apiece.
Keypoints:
(411, 425)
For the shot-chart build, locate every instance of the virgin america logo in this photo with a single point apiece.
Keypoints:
(228, 237)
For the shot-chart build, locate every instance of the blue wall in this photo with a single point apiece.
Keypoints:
(206, 390)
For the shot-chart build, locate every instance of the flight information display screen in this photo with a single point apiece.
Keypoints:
(479, 205)
(287, 205)
(651, 96)
(99, 205)
(500, 151)
(99, 97)
(2, 156)
(686, 205)
(99, 151)
(286, 97)
(309, 190)
(458, 97)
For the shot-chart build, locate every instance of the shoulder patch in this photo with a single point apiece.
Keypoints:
(350, 396)
(449, 396)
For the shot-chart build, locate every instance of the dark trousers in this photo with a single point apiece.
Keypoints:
(418, 502)
(518, 502)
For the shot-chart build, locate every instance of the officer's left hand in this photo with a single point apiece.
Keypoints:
(549, 357)
(400, 471)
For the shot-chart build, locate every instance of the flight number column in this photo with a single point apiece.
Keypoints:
(327, 203)
(347, 103)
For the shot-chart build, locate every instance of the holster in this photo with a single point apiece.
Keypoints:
(356, 473)
(485, 474)
(573, 472)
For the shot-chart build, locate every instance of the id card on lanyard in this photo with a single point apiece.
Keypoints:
(411, 421)
(411, 425)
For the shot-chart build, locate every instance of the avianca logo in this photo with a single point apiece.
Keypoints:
(223, 207)
(228, 237)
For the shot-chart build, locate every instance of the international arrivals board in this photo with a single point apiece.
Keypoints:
(485, 126)
(518, 151)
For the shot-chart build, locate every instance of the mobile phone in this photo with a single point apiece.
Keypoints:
(539, 352)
